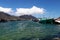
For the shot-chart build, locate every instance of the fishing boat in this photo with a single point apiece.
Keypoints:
(49, 21)
(57, 20)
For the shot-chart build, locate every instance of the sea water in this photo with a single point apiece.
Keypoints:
(27, 30)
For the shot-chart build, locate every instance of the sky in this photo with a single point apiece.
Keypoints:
(37, 8)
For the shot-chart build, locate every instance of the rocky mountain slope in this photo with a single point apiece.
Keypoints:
(7, 17)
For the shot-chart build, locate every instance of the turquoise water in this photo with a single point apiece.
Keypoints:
(26, 30)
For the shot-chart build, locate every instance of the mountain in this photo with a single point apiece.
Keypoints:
(28, 17)
(7, 17)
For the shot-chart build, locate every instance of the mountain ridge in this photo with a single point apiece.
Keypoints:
(7, 17)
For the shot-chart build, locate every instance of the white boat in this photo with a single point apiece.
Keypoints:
(57, 21)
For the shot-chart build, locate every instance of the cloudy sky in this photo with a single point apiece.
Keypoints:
(38, 8)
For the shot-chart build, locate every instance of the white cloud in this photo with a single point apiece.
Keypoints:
(23, 11)
(29, 11)
(6, 10)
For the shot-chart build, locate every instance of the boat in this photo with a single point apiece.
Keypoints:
(49, 21)
(57, 20)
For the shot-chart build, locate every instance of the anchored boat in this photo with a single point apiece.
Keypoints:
(49, 21)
